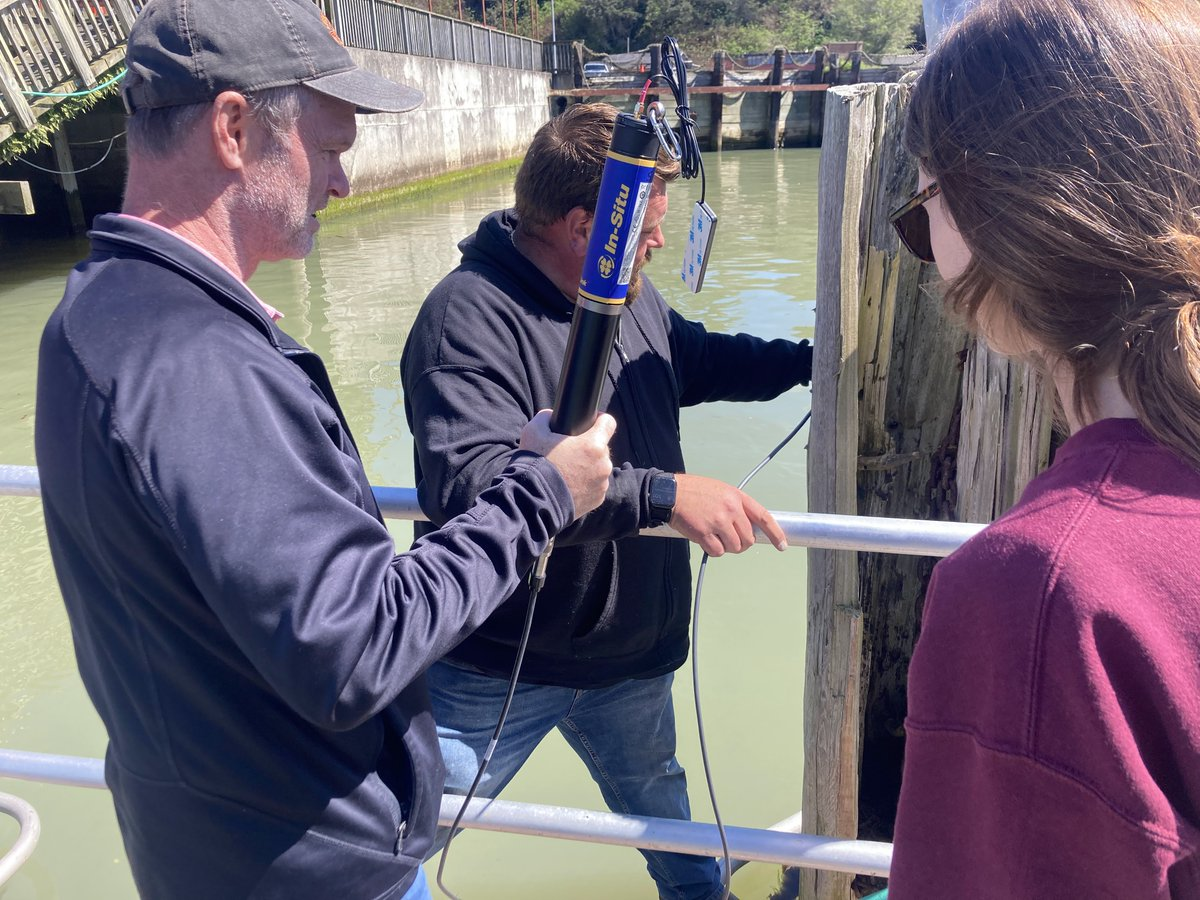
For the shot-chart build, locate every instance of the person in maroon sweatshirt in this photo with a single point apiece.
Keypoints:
(1053, 744)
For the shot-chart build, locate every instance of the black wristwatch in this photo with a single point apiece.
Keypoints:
(662, 498)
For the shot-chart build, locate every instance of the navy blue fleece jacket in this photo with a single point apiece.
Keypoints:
(250, 638)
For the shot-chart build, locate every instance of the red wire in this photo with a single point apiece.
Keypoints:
(642, 99)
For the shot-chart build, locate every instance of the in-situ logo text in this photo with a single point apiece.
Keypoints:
(617, 218)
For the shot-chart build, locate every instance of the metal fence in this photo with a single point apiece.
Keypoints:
(394, 28)
(49, 46)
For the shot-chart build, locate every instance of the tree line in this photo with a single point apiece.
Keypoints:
(702, 26)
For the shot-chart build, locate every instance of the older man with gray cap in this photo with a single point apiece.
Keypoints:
(250, 638)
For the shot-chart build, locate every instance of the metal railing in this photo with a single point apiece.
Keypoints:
(395, 28)
(27, 838)
(561, 822)
(908, 537)
(903, 536)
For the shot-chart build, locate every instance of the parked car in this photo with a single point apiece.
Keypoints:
(595, 69)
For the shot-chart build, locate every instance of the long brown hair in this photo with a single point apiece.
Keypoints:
(1065, 135)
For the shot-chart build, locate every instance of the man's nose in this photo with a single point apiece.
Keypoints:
(339, 182)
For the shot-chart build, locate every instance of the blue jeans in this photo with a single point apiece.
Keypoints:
(419, 889)
(625, 735)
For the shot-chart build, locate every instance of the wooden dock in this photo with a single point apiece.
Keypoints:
(51, 50)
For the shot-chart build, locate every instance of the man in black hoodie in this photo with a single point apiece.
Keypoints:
(612, 619)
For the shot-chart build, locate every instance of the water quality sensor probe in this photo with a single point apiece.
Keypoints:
(607, 269)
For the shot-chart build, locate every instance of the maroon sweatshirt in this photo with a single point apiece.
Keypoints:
(1054, 696)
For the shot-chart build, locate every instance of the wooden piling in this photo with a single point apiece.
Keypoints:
(16, 199)
(897, 431)
(717, 103)
(655, 71)
(68, 182)
(774, 101)
(816, 101)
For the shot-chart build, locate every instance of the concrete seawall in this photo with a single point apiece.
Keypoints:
(472, 115)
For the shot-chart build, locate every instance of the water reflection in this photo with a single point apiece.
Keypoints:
(353, 301)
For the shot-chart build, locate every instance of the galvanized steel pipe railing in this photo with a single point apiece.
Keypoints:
(911, 537)
(564, 823)
(905, 536)
(27, 838)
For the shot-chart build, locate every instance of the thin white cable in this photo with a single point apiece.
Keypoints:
(112, 141)
(726, 874)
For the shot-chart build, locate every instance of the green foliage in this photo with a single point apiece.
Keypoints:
(739, 26)
(736, 26)
(604, 25)
(880, 24)
(49, 122)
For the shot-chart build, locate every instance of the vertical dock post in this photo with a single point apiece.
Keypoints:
(899, 429)
(717, 102)
(816, 100)
(655, 70)
(67, 180)
(774, 100)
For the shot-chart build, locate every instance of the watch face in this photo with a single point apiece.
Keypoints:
(662, 493)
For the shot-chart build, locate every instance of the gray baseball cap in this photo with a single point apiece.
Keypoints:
(189, 51)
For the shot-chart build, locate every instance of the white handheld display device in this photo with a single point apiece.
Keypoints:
(699, 245)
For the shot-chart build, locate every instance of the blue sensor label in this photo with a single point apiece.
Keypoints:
(616, 230)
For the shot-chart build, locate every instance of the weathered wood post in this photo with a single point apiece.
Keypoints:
(774, 100)
(717, 102)
(577, 78)
(895, 428)
(816, 100)
(68, 182)
(64, 28)
(15, 199)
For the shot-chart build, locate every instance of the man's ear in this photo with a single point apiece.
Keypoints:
(231, 124)
(578, 228)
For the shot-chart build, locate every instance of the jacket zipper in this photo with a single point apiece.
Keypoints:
(632, 392)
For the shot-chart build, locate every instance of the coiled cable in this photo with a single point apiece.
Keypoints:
(674, 73)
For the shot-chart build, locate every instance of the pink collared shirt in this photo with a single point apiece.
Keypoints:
(271, 311)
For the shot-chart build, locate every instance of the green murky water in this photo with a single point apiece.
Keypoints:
(352, 300)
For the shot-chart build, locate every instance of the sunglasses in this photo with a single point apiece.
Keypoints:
(911, 222)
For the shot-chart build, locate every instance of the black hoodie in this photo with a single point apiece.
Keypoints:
(482, 358)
